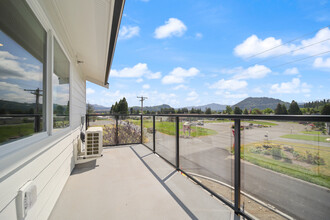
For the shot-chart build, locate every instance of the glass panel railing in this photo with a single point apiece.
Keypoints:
(206, 153)
(165, 137)
(148, 131)
(108, 123)
(285, 169)
(129, 130)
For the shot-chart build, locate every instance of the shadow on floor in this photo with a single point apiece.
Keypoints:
(84, 167)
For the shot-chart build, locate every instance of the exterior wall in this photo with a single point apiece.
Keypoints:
(47, 160)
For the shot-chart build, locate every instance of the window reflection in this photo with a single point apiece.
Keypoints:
(61, 88)
(22, 69)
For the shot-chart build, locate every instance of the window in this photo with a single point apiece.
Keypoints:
(22, 72)
(61, 88)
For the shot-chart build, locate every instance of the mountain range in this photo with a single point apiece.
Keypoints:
(248, 103)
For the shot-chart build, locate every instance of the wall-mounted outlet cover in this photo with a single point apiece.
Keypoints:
(26, 198)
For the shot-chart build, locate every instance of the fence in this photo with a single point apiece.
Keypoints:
(258, 165)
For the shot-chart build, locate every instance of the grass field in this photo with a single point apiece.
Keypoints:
(312, 132)
(306, 137)
(15, 131)
(318, 174)
(266, 123)
(169, 128)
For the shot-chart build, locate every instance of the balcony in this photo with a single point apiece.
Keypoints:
(203, 167)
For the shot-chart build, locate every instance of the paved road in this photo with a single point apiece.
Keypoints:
(208, 156)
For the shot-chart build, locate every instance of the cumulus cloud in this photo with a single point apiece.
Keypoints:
(291, 71)
(181, 86)
(231, 84)
(127, 32)
(146, 86)
(253, 72)
(90, 91)
(322, 63)
(172, 27)
(179, 74)
(199, 35)
(12, 67)
(137, 71)
(192, 96)
(13, 92)
(139, 80)
(229, 95)
(254, 45)
(294, 86)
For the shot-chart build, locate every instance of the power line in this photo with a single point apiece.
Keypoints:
(287, 42)
(291, 51)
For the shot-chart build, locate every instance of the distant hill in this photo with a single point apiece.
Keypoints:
(151, 108)
(259, 102)
(213, 106)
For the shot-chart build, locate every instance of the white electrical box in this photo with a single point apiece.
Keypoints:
(94, 142)
(26, 198)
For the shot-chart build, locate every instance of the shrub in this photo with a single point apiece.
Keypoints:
(277, 153)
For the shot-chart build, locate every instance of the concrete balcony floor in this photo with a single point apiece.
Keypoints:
(130, 182)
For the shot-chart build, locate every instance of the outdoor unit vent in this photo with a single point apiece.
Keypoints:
(94, 142)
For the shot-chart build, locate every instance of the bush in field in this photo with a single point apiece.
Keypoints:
(314, 159)
(287, 159)
(127, 133)
(288, 149)
(277, 153)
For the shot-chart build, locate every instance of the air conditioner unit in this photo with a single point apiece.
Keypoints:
(94, 142)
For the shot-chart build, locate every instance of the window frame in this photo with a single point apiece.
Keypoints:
(34, 139)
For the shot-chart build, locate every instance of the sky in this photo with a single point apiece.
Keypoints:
(188, 53)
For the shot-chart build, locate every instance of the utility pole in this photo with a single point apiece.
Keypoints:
(142, 98)
(37, 92)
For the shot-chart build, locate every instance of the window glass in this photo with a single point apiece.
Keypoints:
(22, 72)
(61, 88)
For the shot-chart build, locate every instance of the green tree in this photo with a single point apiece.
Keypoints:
(278, 109)
(208, 111)
(245, 112)
(237, 110)
(229, 109)
(294, 109)
(284, 110)
(326, 109)
(256, 111)
(121, 107)
(268, 111)
(90, 109)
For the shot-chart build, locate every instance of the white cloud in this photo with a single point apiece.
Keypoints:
(192, 96)
(146, 86)
(253, 72)
(127, 32)
(181, 86)
(139, 70)
(90, 91)
(231, 84)
(139, 80)
(178, 75)
(291, 71)
(254, 45)
(11, 67)
(257, 90)
(295, 86)
(172, 27)
(13, 92)
(322, 63)
(199, 35)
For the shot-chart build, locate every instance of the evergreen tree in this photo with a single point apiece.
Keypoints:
(245, 112)
(284, 110)
(326, 109)
(228, 109)
(237, 111)
(278, 109)
(294, 109)
(208, 111)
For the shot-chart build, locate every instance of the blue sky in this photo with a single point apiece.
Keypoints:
(185, 53)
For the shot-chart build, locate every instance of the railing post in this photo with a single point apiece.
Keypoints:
(86, 119)
(141, 129)
(154, 133)
(116, 137)
(177, 143)
(237, 174)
